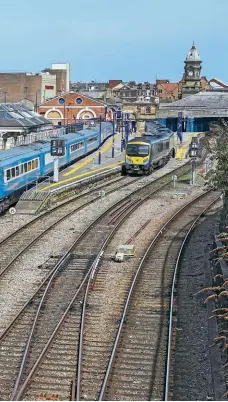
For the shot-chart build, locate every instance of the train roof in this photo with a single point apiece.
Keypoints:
(35, 148)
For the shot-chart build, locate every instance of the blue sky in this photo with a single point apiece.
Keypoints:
(120, 39)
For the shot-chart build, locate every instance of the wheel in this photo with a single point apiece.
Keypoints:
(150, 170)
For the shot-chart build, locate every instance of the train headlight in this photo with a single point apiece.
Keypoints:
(128, 159)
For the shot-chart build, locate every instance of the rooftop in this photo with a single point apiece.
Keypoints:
(18, 115)
(207, 103)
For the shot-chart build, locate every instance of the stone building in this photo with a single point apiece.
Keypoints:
(191, 83)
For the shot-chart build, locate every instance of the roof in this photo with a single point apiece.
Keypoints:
(193, 54)
(169, 86)
(215, 82)
(18, 115)
(207, 103)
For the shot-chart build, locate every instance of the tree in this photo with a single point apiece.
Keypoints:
(218, 147)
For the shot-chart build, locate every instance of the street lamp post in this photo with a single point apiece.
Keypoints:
(122, 135)
(64, 110)
(99, 151)
(113, 136)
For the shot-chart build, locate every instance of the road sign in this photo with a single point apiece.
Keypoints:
(174, 177)
(12, 211)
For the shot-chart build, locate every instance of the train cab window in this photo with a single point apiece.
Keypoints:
(8, 174)
(17, 170)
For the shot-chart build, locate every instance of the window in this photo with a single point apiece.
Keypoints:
(17, 170)
(167, 145)
(61, 101)
(22, 169)
(148, 110)
(90, 140)
(77, 146)
(160, 91)
(78, 101)
(137, 150)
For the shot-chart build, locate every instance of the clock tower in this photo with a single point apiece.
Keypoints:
(191, 79)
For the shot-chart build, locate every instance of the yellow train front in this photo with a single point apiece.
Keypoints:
(152, 150)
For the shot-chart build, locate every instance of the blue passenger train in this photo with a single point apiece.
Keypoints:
(21, 166)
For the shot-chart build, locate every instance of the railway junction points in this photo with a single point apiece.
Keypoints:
(77, 325)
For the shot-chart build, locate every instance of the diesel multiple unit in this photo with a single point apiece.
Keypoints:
(153, 149)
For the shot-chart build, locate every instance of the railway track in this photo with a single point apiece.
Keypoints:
(16, 244)
(15, 337)
(134, 368)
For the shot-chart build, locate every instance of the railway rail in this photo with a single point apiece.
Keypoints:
(17, 243)
(134, 368)
(66, 275)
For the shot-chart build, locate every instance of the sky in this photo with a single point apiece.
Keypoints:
(120, 39)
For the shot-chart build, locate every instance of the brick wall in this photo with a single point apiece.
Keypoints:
(19, 86)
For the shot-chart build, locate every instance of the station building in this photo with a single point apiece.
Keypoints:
(198, 111)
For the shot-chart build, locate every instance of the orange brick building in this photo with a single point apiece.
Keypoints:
(71, 107)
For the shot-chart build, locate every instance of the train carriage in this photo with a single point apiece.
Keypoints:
(21, 166)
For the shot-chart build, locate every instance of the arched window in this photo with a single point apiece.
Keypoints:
(148, 110)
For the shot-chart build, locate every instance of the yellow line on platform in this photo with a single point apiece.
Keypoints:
(90, 159)
(81, 175)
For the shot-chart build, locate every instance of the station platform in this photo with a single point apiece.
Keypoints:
(182, 149)
(88, 165)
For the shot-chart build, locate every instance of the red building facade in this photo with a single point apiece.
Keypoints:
(71, 107)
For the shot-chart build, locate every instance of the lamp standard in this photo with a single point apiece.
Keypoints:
(113, 135)
(99, 151)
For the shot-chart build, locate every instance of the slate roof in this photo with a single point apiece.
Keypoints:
(202, 104)
(18, 115)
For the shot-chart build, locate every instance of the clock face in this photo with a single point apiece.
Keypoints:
(190, 73)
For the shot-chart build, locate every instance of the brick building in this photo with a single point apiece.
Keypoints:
(71, 107)
(35, 87)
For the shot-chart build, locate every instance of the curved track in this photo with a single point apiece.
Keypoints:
(136, 363)
(77, 263)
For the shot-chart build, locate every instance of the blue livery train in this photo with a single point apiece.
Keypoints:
(21, 166)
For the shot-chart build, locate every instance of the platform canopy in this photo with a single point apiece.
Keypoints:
(202, 104)
(19, 116)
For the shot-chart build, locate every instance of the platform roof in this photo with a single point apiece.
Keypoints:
(202, 104)
(19, 115)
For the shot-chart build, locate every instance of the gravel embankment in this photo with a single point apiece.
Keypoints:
(197, 373)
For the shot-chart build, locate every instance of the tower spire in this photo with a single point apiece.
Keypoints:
(193, 43)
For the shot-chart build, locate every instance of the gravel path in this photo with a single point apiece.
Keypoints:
(193, 364)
